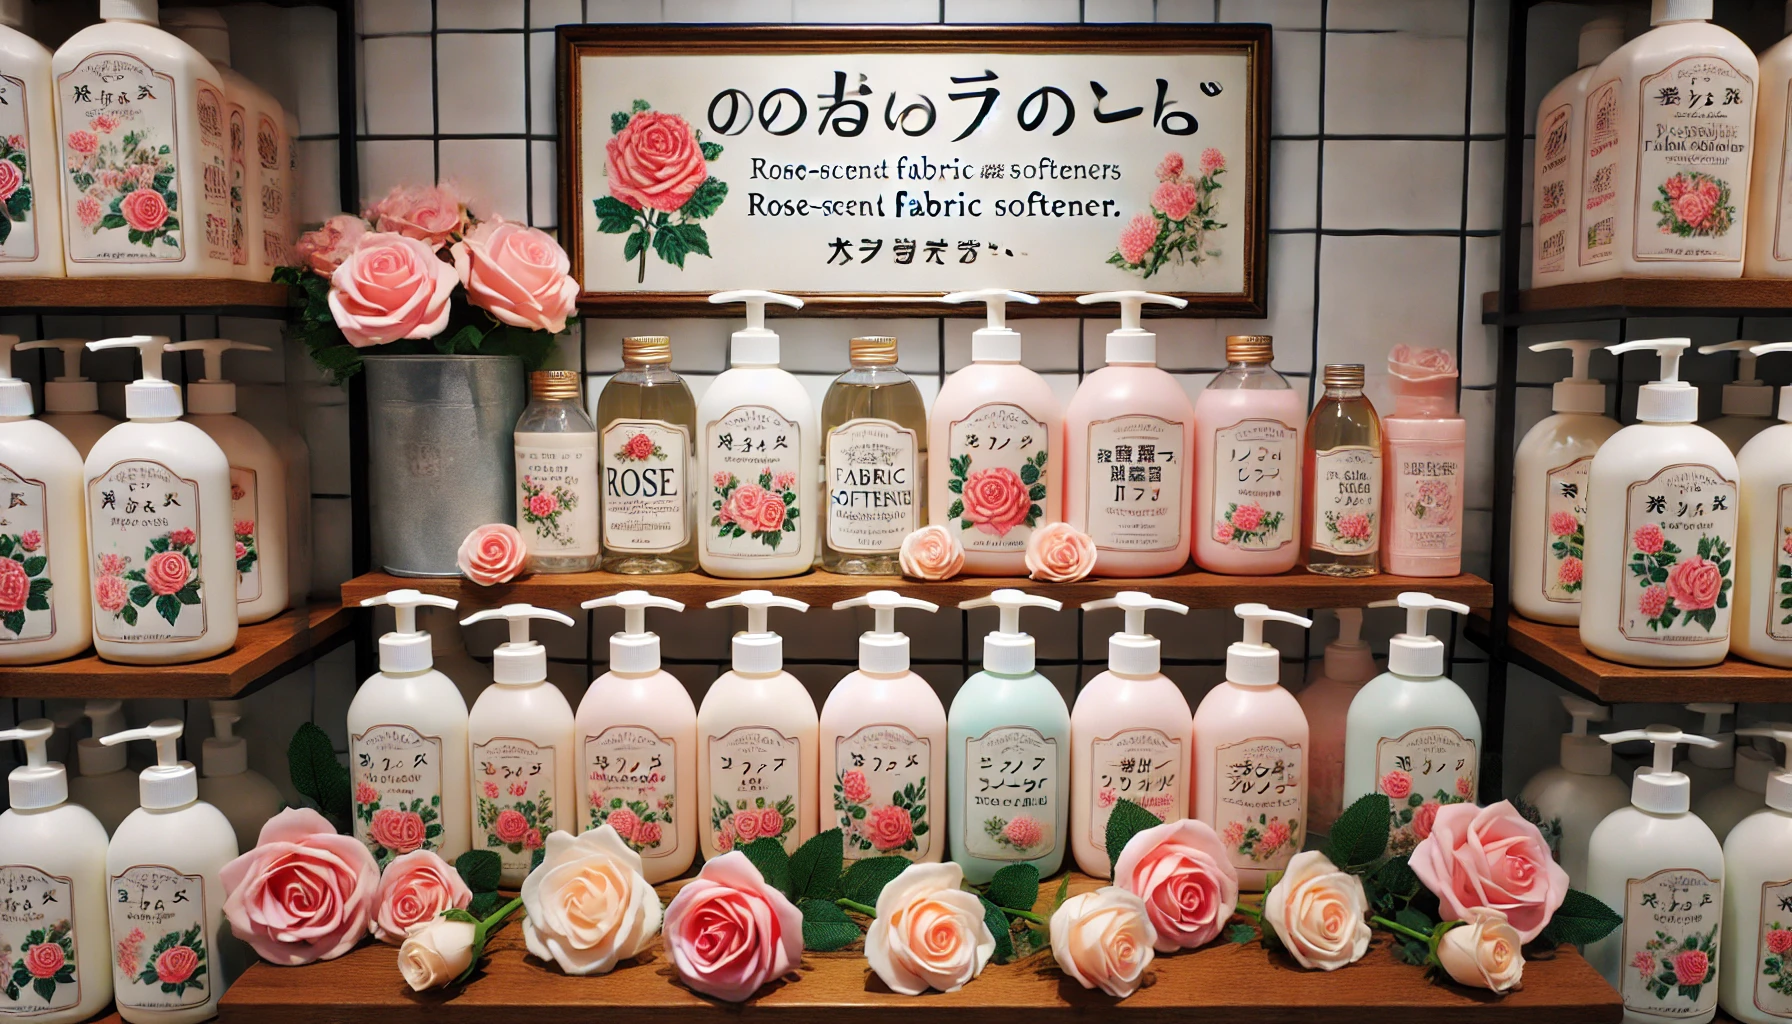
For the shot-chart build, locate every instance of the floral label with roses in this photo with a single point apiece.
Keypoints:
(269, 138)
(755, 457)
(245, 513)
(556, 494)
(121, 193)
(874, 486)
(999, 460)
(513, 800)
(25, 577)
(1671, 924)
(645, 489)
(18, 208)
(754, 774)
(1135, 484)
(239, 183)
(1256, 463)
(881, 793)
(1694, 144)
(1011, 794)
(37, 942)
(1347, 500)
(397, 775)
(1565, 530)
(1141, 765)
(160, 958)
(1773, 951)
(1260, 796)
(1677, 573)
(631, 775)
(1425, 483)
(1597, 236)
(148, 582)
(1419, 771)
(1553, 224)
(1778, 599)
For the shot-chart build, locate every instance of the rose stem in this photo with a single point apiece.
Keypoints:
(856, 907)
(1401, 929)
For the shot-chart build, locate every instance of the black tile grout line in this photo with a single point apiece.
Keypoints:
(529, 122)
(435, 92)
(1468, 120)
(1318, 208)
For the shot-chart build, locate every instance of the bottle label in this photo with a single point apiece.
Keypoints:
(245, 515)
(881, 797)
(161, 960)
(1135, 484)
(25, 576)
(556, 495)
(148, 582)
(269, 137)
(239, 184)
(754, 774)
(1778, 599)
(1427, 492)
(644, 486)
(631, 775)
(1693, 143)
(874, 479)
(1420, 771)
(755, 495)
(216, 172)
(397, 773)
(1011, 794)
(1565, 530)
(1553, 225)
(1259, 798)
(121, 193)
(19, 206)
(1773, 951)
(38, 972)
(1255, 462)
(1598, 232)
(1671, 924)
(999, 457)
(1679, 526)
(1141, 765)
(1347, 500)
(514, 800)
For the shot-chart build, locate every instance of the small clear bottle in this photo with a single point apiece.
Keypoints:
(556, 475)
(874, 437)
(1341, 477)
(649, 423)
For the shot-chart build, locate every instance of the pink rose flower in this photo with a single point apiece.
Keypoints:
(15, 586)
(771, 823)
(431, 214)
(518, 274)
(183, 537)
(1695, 208)
(722, 478)
(1176, 199)
(396, 830)
(742, 506)
(1248, 517)
(324, 250)
(1779, 941)
(1648, 539)
(854, 787)
(1396, 784)
(931, 553)
(414, 890)
(114, 565)
(1137, 238)
(647, 835)
(1695, 583)
(518, 789)
(44, 959)
(1410, 363)
(492, 554)
(1023, 831)
(109, 592)
(491, 791)
(1354, 526)
(16, 141)
(728, 932)
(995, 500)
(532, 839)
(365, 794)
(746, 825)
(1274, 835)
(304, 893)
(1212, 160)
(143, 209)
(1234, 835)
(89, 211)
(784, 481)
(1170, 168)
(390, 287)
(1563, 524)
(104, 124)
(1462, 786)
(639, 447)
(176, 964)
(10, 180)
(1060, 553)
(83, 142)
(1644, 963)
(1222, 532)
(1692, 966)
(889, 828)
(1653, 602)
(1188, 884)
(1423, 819)
(1570, 570)
(542, 505)
(241, 550)
(510, 826)
(244, 527)
(655, 161)
(770, 517)
(624, 822)
(1491, 857)
(725, 838)
(1676, 186)
(167, 572)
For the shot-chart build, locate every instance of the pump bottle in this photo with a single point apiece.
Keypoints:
(1709, 767)
(1008, 753)
(104, 786)
(1348, 664)
(1748, 401)
(1769, 243)
(637, 735)
(53, 850)
(993, 475)
(1662, 871)
(1727, 805)
(1561, 144)
(759, 455)
(1757, 882)
(33, 245)
(757, 770)
(1129, 735)
(407, 743)
(520, 742)
(1129, 438)
(44, 609)
(1251, 752)
(1572, 798)
(883, 745)
(1247, 464)
(1763, 627)
(71, 401)
(227, 782)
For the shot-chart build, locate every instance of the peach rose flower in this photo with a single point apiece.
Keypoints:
(587, 905)
(1189, 885)
(324, 250)
(414, 890)
(1104, 939)
(305, 893)
(1491, 857)
(518, 274)
(492, 554)
(929, 931)
(1483, 952)
(1319, 913)
(432, 214)
(391, 287)
(931, 553)
(1060, 553)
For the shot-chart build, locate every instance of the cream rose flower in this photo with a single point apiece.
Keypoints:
(931, 553)
(1483, 952)
(929, 931)
(587, 905)
(1318, 912)
(1104, 940)
(436, 953)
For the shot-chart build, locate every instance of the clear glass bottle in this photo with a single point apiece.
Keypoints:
(649, 426)
(1341, 477)
(556, 475)
(874, 462)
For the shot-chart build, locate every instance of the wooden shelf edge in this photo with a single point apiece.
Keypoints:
(1626, 297)
(133, 293)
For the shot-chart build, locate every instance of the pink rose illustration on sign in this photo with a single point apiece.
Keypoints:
(1569, 572)
(856, 789)
(1023, 832)
(1648, 539)
(657, 166)
(25, 582)
(167, 572)
(1679, 589)
(1692, 967)
(396, 830)
(109, 593)
(1396, 784)
(997, 499)
(15, 586)
(44, 960)
(1694, 204)
(10, 179)
(1137, 238)
(1693, 584)
(1563, 524)
(765, 509)
(176, 965)
(83, 142)
(1183, 214)
(889, 828)
(144, 210)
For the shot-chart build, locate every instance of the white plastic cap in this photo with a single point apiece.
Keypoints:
(758, 651)
(1134, 652)
(1747, 395)
(1583, 753)
(1779, 346)
(522, 661)
(150, 397)
(39, 782)
(1723, 753)
(170, 782)
(1008, 651)
(202, 28)
(1661, 790)
(1416, 653)
(12, 13)
(1779, 784)
(69, 391)
(995, 341)
(1664, 11)
(128, 10)
(1577, 392)
(225, 753)
(212, 395)
(1131, 343)
(1668, 399)
(406, 649)
(884, 651)
(1598, 38)
(15, 394)
(1348, 659)
(92, 756)
(754, 344)
(1251, 662)
(634, 651)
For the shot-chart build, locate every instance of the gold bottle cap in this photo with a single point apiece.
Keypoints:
(874, 351)
(554, 384)
(1249, 348)
(646, 350)
(1343, 375)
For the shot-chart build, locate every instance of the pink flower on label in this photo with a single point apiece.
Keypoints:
(1170, 167)
(396, 830)
(722, 478)
(1137, 238)
(491, 790)
(518, 274)
(129, 950)
(183, 537)
(1234, 834)
(995, 500)
(543, 505)
(366, 794)
(1248, 517)
(647, 834)
(770, 518)
(1105, 798)
(15, 586)
(655, 161)
(83, 142)
(492, 554)
(746, 825)
(742, 506)
(1648, 539)
(1354, 526)
(1779, 941)
(1786, 545)
(1396, 784)
(89, 211)
(1023, 831)
(244, 527)
(510, 826)
(143, 209)
(518, 789)
(241, 550)
(324, 250)
(44, 960)
(594, 798)
(167, 572)
(639, 447)
(1695, 208)
(1223, 532)
(532, 839)
(1176, 199)
(109, 592)
(103, 124)
(889, 828)
(1274, 835)
(1212, 160)
(114, 565)
(431, 214)
(1423, 819)
(1695, 583)
(784, 481)
(10, 179)
(931, 553)
(176, 965)
(1563, 524)
(1653, 602)
(771, 823)
(16, 141)
(1463, 789)
(624, 822)
(854, 787)
(237, 491)
(1691, 967)
(1644, 963)
(1676, 186)
(391, 286)
(1569, 571)
(725, 838)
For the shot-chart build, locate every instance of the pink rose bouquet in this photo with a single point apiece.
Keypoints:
(305, 893)
(1491, 857)
(729, 931)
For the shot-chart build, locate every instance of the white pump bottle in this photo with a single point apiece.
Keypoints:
(1752, 976)
(33, 243)
(1561, 144)
(45, 614)
(105, 785)
(1573, 797)
(1762, 625)
(1746, 792)
(520, 742)
(757, 772)
(71, 401)
(883, 745)
(1748, 401)
(227, 782)
(637, 735)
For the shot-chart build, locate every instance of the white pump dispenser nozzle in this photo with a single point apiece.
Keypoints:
(883, 650)
(406, 649)
(225, 753)
(758, 651)
(634, 651)
(67, 391)
(1577, 392)
(1008, 651)
(1722, 754)
(170, 782)
(212, 394)
(1134, 652)
(92, 756)
(39, 782)
(1661, 790)
(1416, 653)
(995, 341)
(15, 394)
(151, 396)
(1251, 662)
(1131, 343)
(1747, 395)
(1779, 784)
(754, 344)
(1662, 12)
(1786, 390)
(522, 660)
(1668, 399)
(1584, 753)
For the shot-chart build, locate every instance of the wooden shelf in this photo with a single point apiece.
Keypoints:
(262, 651)
(137, 294)
(1617, 299)
(1221, 983)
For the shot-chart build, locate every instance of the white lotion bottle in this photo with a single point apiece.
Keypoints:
(1748, 402)
(1726, 806)
(1769, 226)
(520, 743)
(1129, 735)
(758, 455)
(1561, 139)
(53, 872)
(407, 744)
(257, 483)
(1662, 871)
(1661, 498)
(29, 190)
(758, 769)
(1549, 493)
(1752, 977)
(883, 745)
(165, 860)
(71, 401)
(158, 507)
(227, 782)
(1762, 621)
(45, 614)
(637, 735)
(105, 785)
(1570, 799)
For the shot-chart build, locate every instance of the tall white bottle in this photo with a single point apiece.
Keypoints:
(71, 401)
(1769, 222)
(1727, 805)
(165, 859)
(227, 782)
(257, 482)
(1570, 799)
(520, 743)
(1754, 984)
(1549, 493)
(29, 212)
(1661, 497)
(758, 769)
(44, 609)
(407, 744)
(105, 785)
(637, 736)
(883, 745)
(1561, 138)
(53, 869)
(1762, 625)
(144, 159)
(1748, 401)
(158, 503)
(1662, 871)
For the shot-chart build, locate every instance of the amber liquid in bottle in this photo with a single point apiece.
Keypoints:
(874, 462)
(647, 426)
(1341, 478)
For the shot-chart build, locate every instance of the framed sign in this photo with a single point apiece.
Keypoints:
(870, 169)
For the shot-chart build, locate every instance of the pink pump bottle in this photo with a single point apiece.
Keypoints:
(1425, 447)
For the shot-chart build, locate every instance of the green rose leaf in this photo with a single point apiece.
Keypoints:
(480, 869)
(767, 854)
(614, 217)
(1360, 834)
(825, 926)
(998, 926)
(1580, 919)
(711, 150)
(707, 199)
(457, 914)
(1015, 887)
(1128, 820)
(815, 868)
(316, 773)
(865, 879)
